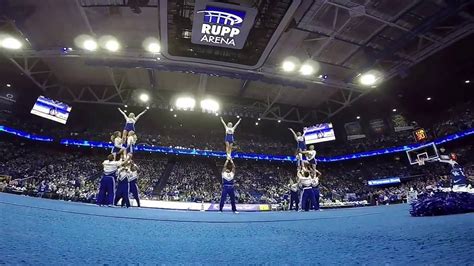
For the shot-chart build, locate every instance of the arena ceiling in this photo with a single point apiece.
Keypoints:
(345, 37)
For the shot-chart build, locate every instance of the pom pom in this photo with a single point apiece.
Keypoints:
(442, 203)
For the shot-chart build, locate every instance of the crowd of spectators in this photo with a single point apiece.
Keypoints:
(260, 182)
(64, 174)
(73, 174)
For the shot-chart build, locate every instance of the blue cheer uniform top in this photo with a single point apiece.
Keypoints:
(123, 175)
(228, 178)
(229, 134)
(130, 123)
(457, 175)
(301, 142)
(133, 176)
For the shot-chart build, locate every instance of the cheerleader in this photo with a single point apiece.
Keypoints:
(131, 140)
(133, 183)
(228, 173)
(106, 193)
(305, 183)
(118, 148)
(315, 185)
(130, 121)
(300, 144)
(311, 157)
(294, 197)
(123, 188)
(229, 136)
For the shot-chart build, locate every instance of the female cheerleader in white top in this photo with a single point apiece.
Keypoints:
(118, 148)
(130, 121)
(311, 157)
(131, 140)
(229, 136)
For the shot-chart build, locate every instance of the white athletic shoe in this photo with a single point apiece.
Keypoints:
(236, 212)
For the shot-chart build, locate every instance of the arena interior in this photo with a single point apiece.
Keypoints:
(290, 132)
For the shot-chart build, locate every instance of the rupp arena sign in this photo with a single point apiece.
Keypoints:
(220, 24)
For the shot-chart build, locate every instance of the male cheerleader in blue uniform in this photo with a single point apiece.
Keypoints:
(130, 121)
(229, 137)
(228, 173)
(123, 188)
(300, 145)
(106, 193)
(305, 182)
(133, 178)
(315, 186)
(294, 195)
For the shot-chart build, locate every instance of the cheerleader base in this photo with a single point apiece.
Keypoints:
(443, 203)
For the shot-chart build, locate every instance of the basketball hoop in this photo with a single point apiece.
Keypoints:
(420, 162)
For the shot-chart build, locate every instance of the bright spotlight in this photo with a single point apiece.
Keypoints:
(309, 67)
(175, 115)
(185, 103)
(9, 85)
(279, 121)
(467, 81)
(210, 105)
(109, 43)
(289, 64)
(152, 45)
(358, 117)
(306, 70)
(394, 110)
(144, 97)
(90, 45)
(370, 78)
(259, 119)
(112, 45)
(154, 48)
(256, 123)
(11, 43)
(86, 42)
(428, 98)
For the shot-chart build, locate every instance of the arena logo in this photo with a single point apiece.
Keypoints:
(223, 25)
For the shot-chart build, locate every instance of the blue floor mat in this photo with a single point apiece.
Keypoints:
(41, 231)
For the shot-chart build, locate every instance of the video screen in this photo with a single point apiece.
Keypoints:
(319, 133)
(51, 109)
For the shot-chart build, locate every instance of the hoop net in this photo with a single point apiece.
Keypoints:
(421, 158)
(420, 162)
